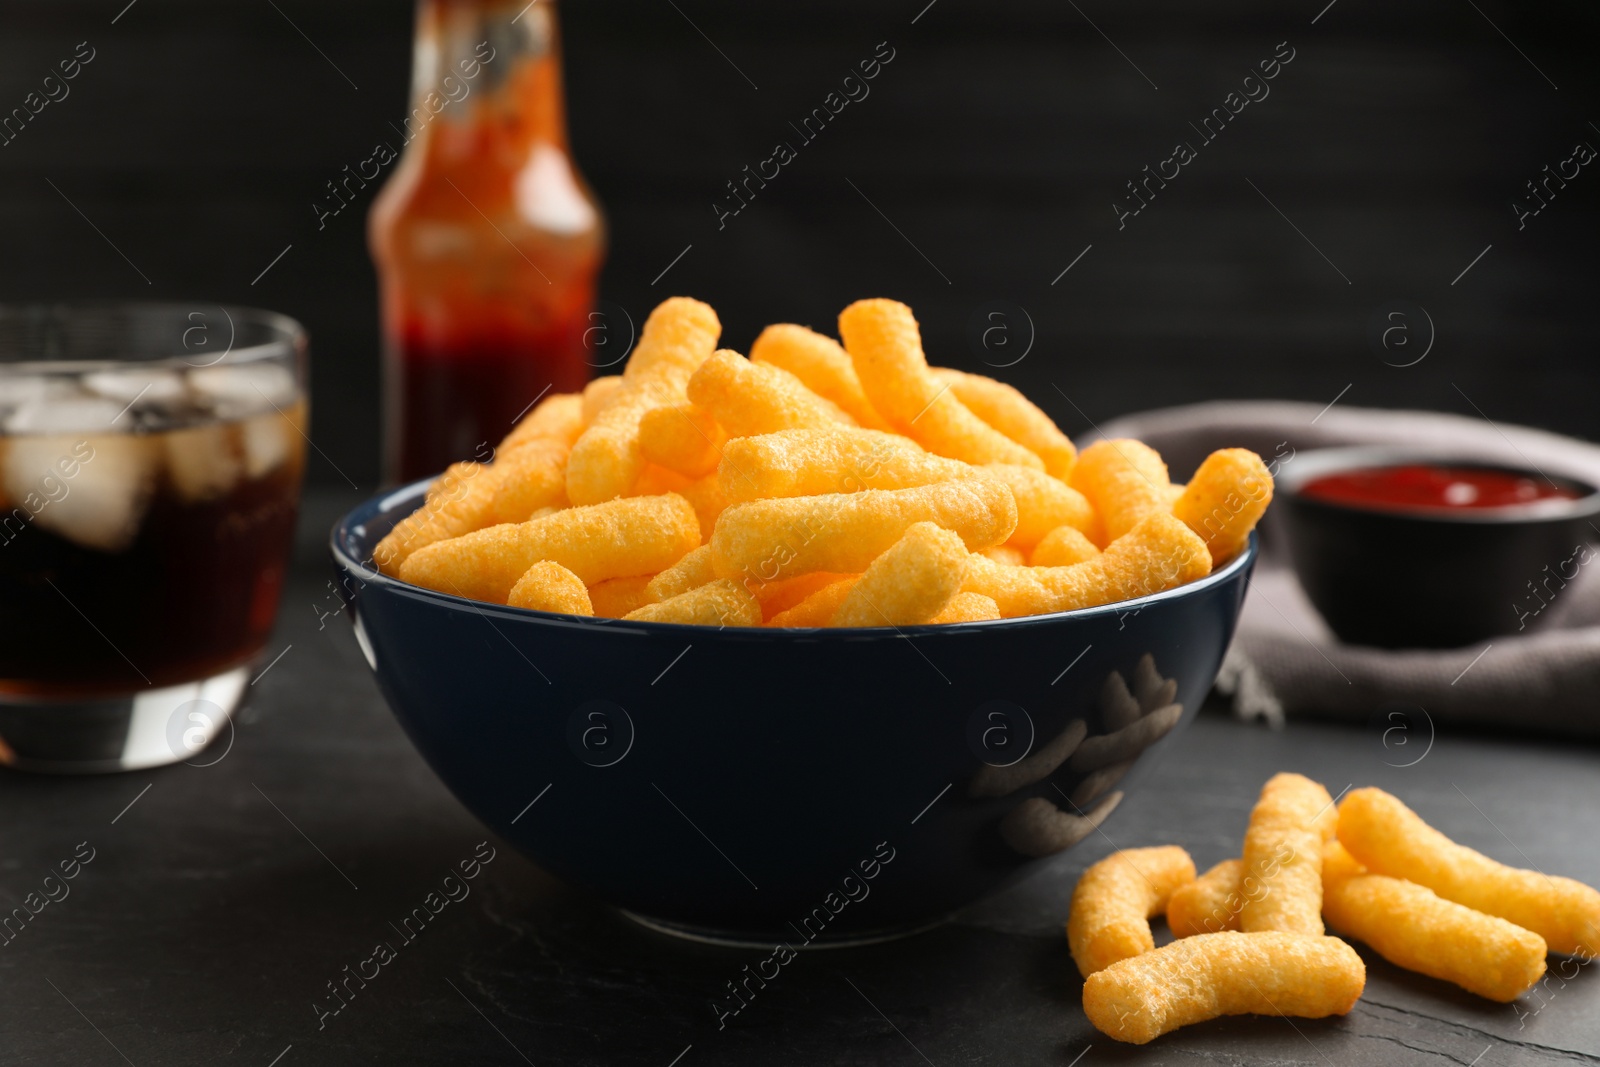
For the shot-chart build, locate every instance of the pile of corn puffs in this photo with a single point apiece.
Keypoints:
(813, 484)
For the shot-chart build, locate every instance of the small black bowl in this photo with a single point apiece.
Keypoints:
(1396, 577)
(759, 785)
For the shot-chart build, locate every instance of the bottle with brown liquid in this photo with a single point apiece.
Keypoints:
(486, 238)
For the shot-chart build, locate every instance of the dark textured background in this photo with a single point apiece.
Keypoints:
(996, 142)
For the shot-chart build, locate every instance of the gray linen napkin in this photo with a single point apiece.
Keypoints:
(1284, 659)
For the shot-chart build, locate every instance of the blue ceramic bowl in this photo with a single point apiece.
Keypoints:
(780, 785)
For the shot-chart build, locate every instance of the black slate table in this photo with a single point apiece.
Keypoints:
(221, 902)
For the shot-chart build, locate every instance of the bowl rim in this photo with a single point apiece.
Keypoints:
(1315, 463)
(385, 502)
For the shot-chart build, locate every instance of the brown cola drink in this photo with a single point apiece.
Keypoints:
(147, 511)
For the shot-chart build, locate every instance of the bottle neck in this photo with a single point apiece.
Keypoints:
(486, 78)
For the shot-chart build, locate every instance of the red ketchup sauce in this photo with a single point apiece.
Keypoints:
(1420, 485)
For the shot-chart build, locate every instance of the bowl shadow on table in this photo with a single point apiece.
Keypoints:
(681, 990)
(520, 928)
(524, 942)
(563, 967)
(520, 934)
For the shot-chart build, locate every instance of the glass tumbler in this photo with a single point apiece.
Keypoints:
(150, 464)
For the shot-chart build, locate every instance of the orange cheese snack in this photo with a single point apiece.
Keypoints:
(615, 597)
(1210, 904)
(1115, 899)
(803, 465)
(634, 535)
(529, 473)
(967, 607)
(1062, 547)
(557, 418)
(822, 364)
(1007, 410)
(1391, 839)
(548, 586)
(1010, 555)
(755, 398)
(811, 462)
(607, 460)
(1225, 499)
(1211, 975)
(597, 394)
(886, 348)
(681, 437)
(1124, 480)
(717, 603)
(781, 594)
(845, 532)
(1410, 926)
(1043, 503)
(1159, 554)
(910, 583)
(1283, 850)
(690, 572)
(450, 509)
(819, 608)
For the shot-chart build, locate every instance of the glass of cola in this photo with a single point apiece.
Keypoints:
(150, 464)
